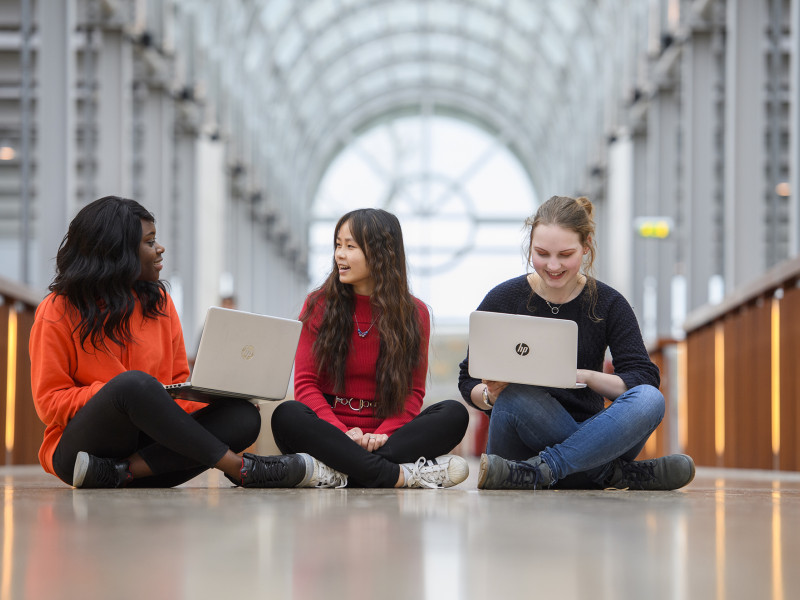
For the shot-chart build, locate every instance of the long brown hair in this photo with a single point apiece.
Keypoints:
(575, 214)
(396, 315)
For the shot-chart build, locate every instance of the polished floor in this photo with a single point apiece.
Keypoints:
(730, 534)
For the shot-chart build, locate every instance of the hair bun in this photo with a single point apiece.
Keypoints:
(587, 205)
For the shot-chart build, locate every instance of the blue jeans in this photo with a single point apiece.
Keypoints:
(527, 421)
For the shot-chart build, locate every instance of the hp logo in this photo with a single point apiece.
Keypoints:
(248, 352)
(522, 349)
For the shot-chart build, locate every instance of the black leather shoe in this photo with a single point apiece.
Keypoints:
(665, 473)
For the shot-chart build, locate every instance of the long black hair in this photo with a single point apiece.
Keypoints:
(98, 268)
(380, 237)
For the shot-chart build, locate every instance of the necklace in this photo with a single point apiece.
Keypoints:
(557, 307)
(362, 334)
(553, 309)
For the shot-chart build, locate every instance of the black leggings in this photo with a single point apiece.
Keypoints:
(133, 413)
(435, 431)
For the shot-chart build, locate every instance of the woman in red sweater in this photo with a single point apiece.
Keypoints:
(360, 371)
(103, 344)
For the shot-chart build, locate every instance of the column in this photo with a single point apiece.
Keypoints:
(114, 123)
(157, 178)
(55, 150)
(745, 230)
(699, 157)
(794, 131)
(640, 265)
(618, 230)
(662, 201)
(184, 226)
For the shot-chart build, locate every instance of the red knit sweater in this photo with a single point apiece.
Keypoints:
(64, 375)
(309, 385)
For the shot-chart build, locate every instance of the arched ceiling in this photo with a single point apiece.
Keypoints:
(308, 75)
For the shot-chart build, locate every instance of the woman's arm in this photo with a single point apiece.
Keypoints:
(180, 365)
(629, 355)
(56, 394)
(500, 299)
(607, 385)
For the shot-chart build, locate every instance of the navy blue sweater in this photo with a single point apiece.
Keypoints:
(616, 330)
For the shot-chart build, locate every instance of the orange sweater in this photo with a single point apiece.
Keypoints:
(64, 375)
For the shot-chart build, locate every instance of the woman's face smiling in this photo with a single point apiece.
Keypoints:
(352, 263)
(556, 256)
(150, 252)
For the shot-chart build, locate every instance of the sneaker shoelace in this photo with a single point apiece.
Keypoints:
(105, 473)
(428, 474)
(521, 474)
(264, 471)
(639, 471)
(329, 478)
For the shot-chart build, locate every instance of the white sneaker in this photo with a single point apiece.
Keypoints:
(440, 472)
(321, 475)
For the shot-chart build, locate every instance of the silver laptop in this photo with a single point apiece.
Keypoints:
(523, 349)
(241, 355)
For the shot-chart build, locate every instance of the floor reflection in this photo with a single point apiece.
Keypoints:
(731, 534)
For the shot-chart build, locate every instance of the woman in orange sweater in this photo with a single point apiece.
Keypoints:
(103, 344)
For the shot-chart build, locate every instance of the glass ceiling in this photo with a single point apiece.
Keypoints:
(312, 84)
(311, 74)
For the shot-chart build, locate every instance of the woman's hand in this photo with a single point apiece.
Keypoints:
(368, 441)
(355, 434)
(494, 388)
(372, 441)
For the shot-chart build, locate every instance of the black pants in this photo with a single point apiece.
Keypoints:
(435, 431)
(133, 413)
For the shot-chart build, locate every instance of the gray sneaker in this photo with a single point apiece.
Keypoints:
(322, 476)
(497, 473)
(665, 473)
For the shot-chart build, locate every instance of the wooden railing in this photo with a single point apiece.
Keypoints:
(22, 430)
(741, 376)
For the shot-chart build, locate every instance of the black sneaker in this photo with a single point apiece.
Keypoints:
(665, 473)
(94, 472)
(497, 473)
(283, 471)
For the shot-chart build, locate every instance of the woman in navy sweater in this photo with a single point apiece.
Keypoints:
(544, 437)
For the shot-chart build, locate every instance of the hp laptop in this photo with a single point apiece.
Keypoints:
(241, 355)
(523, 349)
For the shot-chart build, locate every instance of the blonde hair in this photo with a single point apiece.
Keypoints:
(574, 214)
